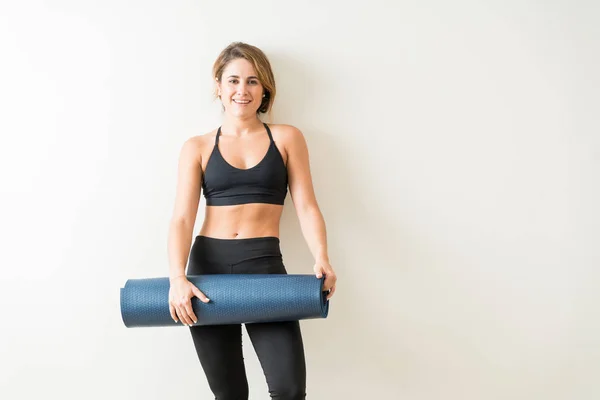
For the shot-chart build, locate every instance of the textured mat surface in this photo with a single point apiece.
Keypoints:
(234, 298)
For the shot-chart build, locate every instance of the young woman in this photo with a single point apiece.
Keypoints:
(244, 169)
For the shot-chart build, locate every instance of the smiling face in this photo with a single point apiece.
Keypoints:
(239, 88)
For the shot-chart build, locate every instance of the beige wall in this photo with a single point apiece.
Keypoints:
(455, 154)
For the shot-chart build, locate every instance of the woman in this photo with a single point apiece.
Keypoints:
(244, 169)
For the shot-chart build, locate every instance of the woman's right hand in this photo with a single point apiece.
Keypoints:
(180, 304)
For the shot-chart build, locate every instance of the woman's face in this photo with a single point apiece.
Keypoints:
(240, 90)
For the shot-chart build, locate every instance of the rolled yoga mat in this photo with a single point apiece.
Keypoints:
(234, 298)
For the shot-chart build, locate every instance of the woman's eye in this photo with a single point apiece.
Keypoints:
(235, 81)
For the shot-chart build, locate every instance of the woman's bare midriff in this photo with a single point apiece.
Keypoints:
(242, 221)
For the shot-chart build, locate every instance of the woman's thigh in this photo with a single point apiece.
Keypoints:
(280, 350)
(219, 349)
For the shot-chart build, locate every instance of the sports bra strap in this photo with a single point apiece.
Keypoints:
(217, 137)
(269, 132)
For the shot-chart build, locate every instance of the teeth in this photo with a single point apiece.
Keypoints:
(242, 102)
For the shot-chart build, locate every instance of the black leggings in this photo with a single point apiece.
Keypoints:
(278, 345)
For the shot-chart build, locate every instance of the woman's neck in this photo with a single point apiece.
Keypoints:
(240, 127)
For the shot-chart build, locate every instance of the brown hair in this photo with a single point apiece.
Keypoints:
(261, 65)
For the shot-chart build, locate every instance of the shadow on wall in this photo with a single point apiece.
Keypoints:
(363, 336)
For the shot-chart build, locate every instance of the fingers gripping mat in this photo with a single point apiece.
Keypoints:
(234, 298)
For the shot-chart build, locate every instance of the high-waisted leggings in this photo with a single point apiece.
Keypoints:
(278, 345)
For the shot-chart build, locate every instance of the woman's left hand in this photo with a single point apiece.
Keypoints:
(322, 267)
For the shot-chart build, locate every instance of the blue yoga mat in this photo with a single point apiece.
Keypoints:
(234, 298)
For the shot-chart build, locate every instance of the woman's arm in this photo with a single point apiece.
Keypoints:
(303, 196)
(181, 229)
(187, 197)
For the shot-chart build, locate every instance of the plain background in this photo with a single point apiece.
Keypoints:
(455, 151)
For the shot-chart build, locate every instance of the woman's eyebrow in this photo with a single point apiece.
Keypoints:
(235, 76)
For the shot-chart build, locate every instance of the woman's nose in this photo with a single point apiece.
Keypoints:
(241, 88)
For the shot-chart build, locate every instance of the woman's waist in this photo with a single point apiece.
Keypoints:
(212, 251)
(241, 221)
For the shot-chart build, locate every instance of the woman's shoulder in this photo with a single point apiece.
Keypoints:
(203, 138)
(285, 132)
(200, 144)
(284, 128)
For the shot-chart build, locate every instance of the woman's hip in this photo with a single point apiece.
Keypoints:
(259, 255)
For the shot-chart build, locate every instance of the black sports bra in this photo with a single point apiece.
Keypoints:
(225, 185)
